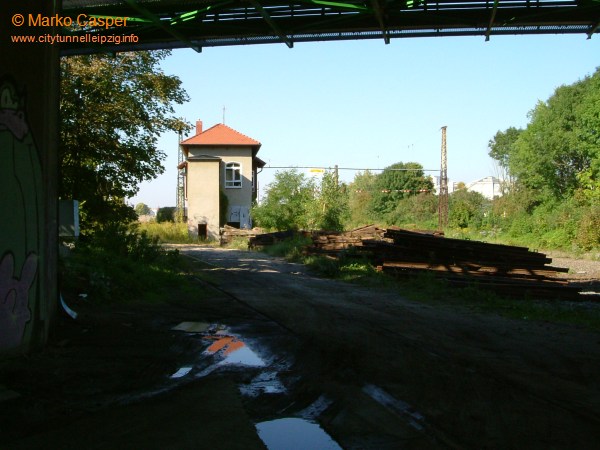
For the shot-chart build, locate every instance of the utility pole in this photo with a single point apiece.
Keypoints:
(443, 194)
(180, 211)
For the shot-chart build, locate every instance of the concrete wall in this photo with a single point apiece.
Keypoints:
(238, 197)
(203, 184)
(29, 87)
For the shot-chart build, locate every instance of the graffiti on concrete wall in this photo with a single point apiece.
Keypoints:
(14, 299)
(21, 226)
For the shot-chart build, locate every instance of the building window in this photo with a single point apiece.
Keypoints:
(233, 175)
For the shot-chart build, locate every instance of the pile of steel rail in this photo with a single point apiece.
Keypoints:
(509, 270)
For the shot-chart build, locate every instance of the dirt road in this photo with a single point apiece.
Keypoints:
(375, 370)
(475, 381)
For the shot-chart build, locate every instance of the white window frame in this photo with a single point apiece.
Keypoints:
(235, 168)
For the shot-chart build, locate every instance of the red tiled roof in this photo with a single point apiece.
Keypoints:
(221, 134)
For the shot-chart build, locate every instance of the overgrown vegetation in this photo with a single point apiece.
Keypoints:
(113, 109)
(295, 202)
(119, 264)
(550, 175)
(168, 232)
(166, 214)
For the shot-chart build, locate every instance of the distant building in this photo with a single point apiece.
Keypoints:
(220, 166)
(489, 187)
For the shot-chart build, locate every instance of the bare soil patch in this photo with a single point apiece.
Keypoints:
(375, 370)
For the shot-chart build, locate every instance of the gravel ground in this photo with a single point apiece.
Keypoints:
(579, 269)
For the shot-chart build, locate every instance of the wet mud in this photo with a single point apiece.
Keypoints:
(276, 358)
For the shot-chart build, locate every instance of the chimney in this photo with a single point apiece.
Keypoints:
(198, 127)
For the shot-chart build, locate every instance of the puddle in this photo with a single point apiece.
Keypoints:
(227, 347)
(415, 419)
(317, 408)
(182, 372)
(263, 383)
(192, 327)
(233, 351)
(295, 434)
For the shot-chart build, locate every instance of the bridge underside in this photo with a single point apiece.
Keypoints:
(205, 23)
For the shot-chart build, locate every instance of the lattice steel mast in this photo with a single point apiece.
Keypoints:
(443, 195)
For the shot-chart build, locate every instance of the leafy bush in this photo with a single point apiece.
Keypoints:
(418, 211)
(588, 231)
(118, 263)
(286, 202)
(292, 249)
(467, 209)
(166, 214)
(141, 209)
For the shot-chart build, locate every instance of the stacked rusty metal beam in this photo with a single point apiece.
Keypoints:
(266, 239)
(510, 270)
(228, 233)
(330, 243)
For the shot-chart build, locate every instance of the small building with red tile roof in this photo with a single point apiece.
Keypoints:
(220, 179)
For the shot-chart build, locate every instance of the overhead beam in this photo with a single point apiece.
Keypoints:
(162, 25)
(378, 10)
(492, 19)
(263, 12)
(593, 29)
(193, 15)
(206, 23)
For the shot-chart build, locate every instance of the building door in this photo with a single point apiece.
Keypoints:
(202, 231)
(234, 216)
(245, 217)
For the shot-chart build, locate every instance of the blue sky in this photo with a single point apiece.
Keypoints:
(364, 104)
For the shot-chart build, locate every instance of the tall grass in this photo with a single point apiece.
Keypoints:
(168, 232)
(119, 264)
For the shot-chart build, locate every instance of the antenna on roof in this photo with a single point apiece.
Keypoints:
(223, 115)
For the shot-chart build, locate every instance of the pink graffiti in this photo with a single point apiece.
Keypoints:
(14, 121)
(14, 299)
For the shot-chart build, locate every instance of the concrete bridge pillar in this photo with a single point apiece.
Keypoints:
(29, 93)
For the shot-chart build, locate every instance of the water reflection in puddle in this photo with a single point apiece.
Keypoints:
(192, 327)
(233, 351)
(263, 383)
(228, 347)
(182, 372)
(415, 419)
(295, 434)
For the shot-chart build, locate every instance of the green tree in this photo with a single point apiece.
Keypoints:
(285, 206)
(396, 182)
(166, 214)
(113, 110)
(360, 195)
(329, 210)
(558, 153)
(501, 146)
(466, 209)
(419, 211)
(141, 209)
